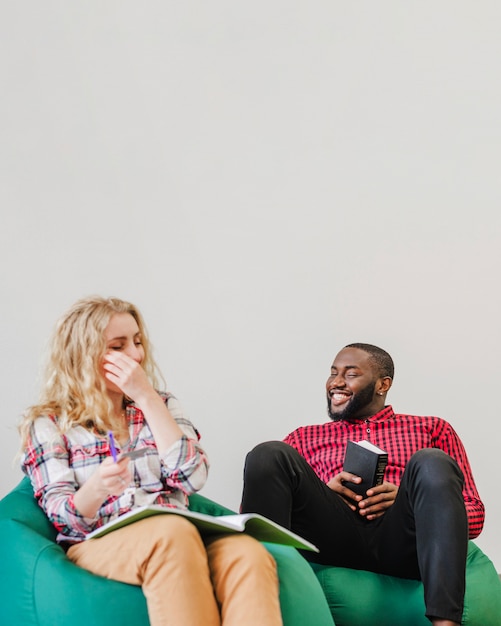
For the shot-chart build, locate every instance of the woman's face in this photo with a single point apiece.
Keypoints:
(122, 334)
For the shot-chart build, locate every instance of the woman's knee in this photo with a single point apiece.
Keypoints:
(169, 531)
(241, 552)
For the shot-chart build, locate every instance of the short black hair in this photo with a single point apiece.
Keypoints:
(381, 358)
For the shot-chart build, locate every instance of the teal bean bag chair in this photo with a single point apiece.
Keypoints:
(359, 598)
(40, 586)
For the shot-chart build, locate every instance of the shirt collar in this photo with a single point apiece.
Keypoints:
(386, 413)
(383, 415)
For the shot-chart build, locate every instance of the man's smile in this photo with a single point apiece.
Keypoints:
(339, 397)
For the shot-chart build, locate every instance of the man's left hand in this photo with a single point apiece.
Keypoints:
(378, 500)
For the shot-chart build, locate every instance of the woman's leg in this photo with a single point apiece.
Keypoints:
(245, 581)
(166, 556)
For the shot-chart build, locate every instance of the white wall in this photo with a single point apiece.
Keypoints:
(267, 181)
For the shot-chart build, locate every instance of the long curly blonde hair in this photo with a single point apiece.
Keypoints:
(74, 388)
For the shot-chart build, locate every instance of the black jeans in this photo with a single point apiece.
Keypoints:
(424, 535)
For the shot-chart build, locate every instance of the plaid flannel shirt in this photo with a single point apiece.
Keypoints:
(58, 464)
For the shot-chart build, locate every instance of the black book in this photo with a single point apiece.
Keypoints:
(366, 460)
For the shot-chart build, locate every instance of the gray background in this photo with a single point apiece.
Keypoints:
(267, 181)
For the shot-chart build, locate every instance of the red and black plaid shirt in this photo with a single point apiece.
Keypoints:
(324, 445)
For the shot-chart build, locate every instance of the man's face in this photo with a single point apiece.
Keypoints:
(351, 387)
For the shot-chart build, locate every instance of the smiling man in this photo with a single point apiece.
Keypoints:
(416, 524)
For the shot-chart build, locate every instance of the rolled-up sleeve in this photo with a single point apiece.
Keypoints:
(184, 465)
(46, 462)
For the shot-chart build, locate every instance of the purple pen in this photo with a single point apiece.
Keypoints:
(113, 448)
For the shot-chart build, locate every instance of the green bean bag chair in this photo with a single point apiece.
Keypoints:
(359, 598)
(40, 586)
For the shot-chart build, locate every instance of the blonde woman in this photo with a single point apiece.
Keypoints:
(101, 378)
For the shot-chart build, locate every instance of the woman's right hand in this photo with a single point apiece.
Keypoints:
(109, 479)
(114, 477)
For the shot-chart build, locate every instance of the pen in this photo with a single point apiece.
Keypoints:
(113, 448)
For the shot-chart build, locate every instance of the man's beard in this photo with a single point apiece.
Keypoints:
(354, 404)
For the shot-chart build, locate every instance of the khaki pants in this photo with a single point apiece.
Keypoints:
(230, 580)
